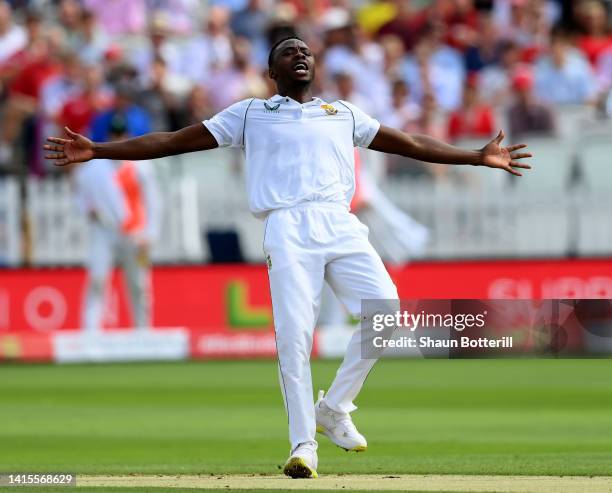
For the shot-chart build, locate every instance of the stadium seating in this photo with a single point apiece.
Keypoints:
(595, 159)
(593, 205)
(553, 164)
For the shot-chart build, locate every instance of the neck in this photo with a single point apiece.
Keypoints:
(301, 94)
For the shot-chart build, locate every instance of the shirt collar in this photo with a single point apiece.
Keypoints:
(277, 98)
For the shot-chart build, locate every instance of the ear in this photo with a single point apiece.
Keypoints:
(272, 74)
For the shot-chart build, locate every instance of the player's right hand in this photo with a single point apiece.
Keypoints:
(75, 149)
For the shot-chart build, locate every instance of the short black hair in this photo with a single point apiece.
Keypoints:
(277, 44)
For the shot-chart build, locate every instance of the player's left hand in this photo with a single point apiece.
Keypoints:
(496, 156)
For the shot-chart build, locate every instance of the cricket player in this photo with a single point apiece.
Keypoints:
(120, 201)
(300, 180)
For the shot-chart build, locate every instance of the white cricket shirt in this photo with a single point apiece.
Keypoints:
(295, 152)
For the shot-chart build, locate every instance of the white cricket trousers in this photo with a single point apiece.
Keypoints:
(305, 245)
(107, 247)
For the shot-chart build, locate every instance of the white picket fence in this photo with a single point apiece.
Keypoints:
(487, 216)
(10, 222)
(59, 232)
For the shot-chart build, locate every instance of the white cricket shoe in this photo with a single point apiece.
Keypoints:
(302, 462)
(338, 427)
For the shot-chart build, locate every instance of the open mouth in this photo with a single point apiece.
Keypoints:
(300, 68)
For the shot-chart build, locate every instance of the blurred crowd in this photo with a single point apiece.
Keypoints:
(454, 69)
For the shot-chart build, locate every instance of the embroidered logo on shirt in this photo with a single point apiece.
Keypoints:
(329, 109)
(271, 108)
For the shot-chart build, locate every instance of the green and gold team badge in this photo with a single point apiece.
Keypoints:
(271, 108)
(329, 109)
(269, 261)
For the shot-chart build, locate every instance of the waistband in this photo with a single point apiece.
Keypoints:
(337, 206)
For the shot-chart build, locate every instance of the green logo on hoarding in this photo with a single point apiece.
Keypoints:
(240, 313)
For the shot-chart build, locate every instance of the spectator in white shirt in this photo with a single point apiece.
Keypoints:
(348, 52)
(564, 76)
(436, 69)
(211, 50)
(159, 45)
(240, 80)
(12, 37)
(403, 111)
(92, 41)
(494, 81)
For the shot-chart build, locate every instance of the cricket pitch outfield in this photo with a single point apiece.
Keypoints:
(361, 482)
(515, 425)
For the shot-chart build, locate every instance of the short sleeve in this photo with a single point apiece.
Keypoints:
(227, 126)
(365, 128)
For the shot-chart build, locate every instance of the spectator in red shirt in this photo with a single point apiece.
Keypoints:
(593, 20)
(460, 18)
(475, 119)
(13, 64)
(78, 112)
(37, 63)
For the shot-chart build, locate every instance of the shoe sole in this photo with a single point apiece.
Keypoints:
(296, 467)
(358, 448)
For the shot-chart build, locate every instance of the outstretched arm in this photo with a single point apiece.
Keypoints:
(77, 148)
(431, 150)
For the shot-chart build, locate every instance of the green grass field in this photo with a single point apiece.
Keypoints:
(520, 417)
